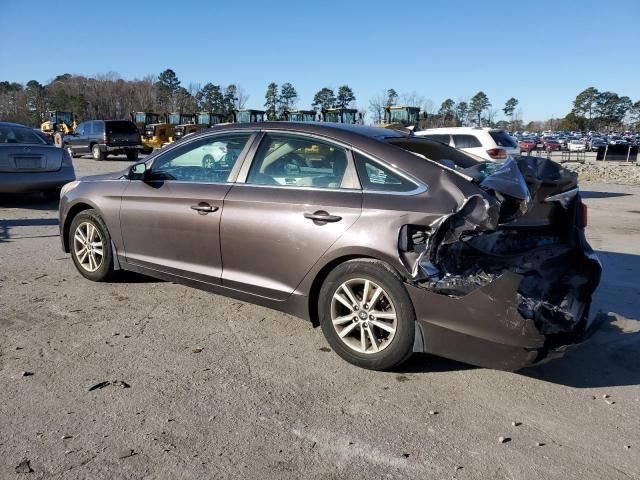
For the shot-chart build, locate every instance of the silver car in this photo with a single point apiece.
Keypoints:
(28, 163)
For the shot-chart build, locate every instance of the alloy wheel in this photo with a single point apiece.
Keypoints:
(363, 316)
(88, 246)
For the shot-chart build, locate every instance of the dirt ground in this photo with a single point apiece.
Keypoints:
(216, 388)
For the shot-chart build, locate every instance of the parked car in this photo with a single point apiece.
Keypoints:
(392, 243)
(595, 143)
(30, 163)
(551, 145)
(104, 137)
(488, 143)
(527, 145)
(576, 146)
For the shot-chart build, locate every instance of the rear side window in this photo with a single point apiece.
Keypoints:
(121, 127)
(438, 138)
(466, 141)
(503, 139)
(96, 128)
(377, 178)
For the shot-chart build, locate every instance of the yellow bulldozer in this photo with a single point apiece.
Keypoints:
(57, 124)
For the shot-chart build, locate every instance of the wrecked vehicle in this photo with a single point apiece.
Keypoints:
(390, 242)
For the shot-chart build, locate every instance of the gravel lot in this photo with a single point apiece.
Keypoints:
(222, 389)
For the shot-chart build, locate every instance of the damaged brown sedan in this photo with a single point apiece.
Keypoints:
(391, 243)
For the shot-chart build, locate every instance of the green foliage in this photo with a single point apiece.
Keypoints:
(210, 98)
(345, 96)
(392, 97)
(272, 101)
(324, 98)
(510, 106)
(479, 103)
(462, 113)
(288, 96)
(167, 86)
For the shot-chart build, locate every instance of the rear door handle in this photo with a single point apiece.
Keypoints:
(203, 208)
(322, 216)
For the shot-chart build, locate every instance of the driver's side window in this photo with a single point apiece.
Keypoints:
(207, 160)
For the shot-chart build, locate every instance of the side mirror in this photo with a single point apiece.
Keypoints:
(137, 171)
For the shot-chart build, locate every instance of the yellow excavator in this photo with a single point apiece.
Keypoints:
(57, 124)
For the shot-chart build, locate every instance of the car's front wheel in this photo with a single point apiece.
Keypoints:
(367, 315)
(90, 246)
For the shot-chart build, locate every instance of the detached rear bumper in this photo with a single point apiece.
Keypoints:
(489, 326)
(27, 182)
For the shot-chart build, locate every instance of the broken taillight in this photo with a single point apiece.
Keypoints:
(497, 153)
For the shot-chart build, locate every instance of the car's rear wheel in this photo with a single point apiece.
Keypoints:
(366, 314)
(97, 153)
(90, 246)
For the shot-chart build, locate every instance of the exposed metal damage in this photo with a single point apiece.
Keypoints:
(501, 235)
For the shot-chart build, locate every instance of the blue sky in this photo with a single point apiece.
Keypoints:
(542, 52)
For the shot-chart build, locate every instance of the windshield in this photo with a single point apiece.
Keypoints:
(174, 119)
(19, 135)
(243, 117)
(61, 117)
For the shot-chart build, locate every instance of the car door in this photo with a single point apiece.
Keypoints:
(170, 219)
(74, 139)
(297, 197)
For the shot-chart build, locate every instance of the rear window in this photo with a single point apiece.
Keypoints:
(121, 127)
(19, 135)
(377, 178)
(503, 139)
(466, 141)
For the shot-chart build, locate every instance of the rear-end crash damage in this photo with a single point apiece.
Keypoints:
(504, 281)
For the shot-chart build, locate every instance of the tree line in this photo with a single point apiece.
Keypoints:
(110, 97)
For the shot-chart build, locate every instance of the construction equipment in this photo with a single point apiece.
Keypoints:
(202, 120)
(156, 135)
(300, 115)
(58, 124)
(341, 115)
(142, 120)
(248, 116)
(401, 116)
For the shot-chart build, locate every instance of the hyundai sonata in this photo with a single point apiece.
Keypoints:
(391, 243)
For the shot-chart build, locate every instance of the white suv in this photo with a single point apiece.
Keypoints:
(492, 144)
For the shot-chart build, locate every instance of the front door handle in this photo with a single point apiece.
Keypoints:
(203, 208)
(322, 216)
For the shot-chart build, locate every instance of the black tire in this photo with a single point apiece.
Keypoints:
(97, 153)
(105, 270)
(132, 155)
(400, 346)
